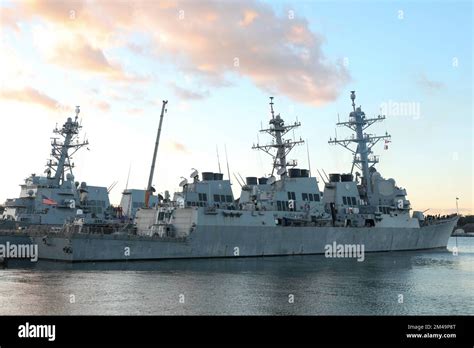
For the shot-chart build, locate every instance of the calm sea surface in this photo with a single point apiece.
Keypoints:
(433, 282)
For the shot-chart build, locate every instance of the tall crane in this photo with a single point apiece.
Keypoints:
(149, 190)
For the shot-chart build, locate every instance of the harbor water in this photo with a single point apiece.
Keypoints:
(437, 282)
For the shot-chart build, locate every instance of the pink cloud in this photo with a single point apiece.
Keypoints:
(31, 96)
(214, 41)
(179, 147)
(102, 105)
(78, 54)
(184, 93)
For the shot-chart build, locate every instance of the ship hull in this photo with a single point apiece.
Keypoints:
(233, 241)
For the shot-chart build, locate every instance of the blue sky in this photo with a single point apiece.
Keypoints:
(118, 65)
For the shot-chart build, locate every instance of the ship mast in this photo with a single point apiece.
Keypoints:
(60, 149)
(283, 146)
(149, 190)
(362, 159)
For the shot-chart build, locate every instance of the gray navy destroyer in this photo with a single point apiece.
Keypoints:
(54, 198)
(285, 213)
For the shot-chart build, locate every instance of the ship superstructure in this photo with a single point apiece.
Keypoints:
(366, 199)
(293, 196)
(56, 198)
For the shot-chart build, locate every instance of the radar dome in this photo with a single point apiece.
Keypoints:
(376, 176)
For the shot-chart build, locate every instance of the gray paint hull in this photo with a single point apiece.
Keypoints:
(219, 241)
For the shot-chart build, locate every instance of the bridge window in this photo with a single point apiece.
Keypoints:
(223, 198)
(217, 198)
(228, 198)
(312, 197)
(291, 195)
(283, 206)
(349, 201)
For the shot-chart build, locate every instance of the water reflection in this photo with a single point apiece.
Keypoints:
(318, 285)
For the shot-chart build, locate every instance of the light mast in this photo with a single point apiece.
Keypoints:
(362, 159)
(60, 149)
(283, 146)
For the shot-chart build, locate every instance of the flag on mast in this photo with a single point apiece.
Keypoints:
(48, 201)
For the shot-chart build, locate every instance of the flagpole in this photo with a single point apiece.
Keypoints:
(457, 212)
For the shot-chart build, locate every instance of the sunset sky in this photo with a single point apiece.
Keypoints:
(217, 62)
